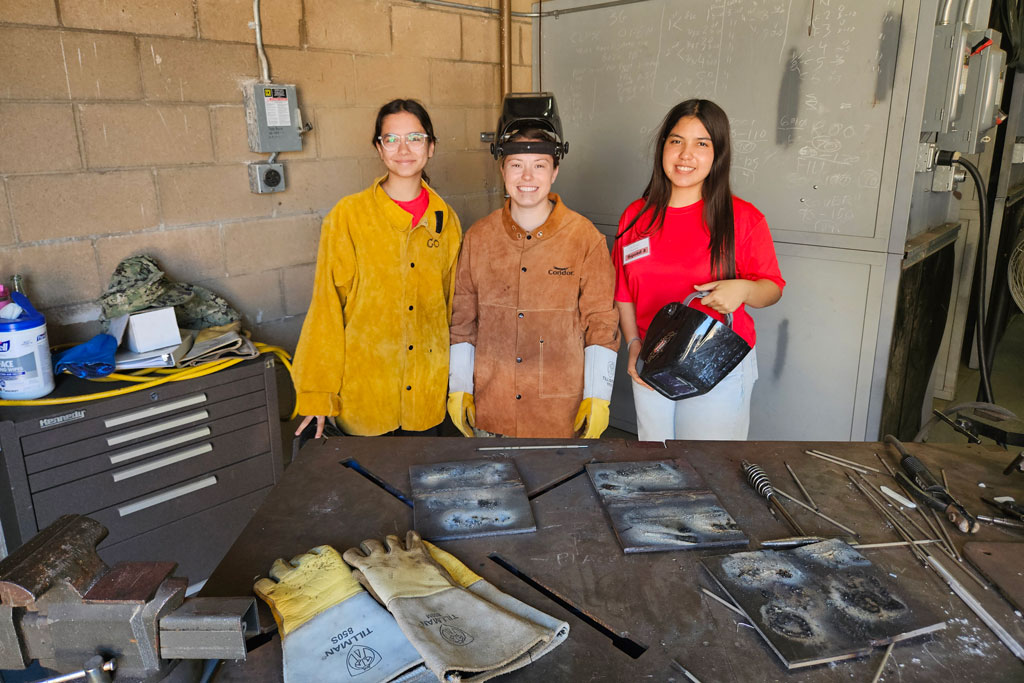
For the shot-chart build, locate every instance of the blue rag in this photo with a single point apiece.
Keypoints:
(94, 358)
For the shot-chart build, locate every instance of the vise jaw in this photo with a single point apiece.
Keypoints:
(60, 604)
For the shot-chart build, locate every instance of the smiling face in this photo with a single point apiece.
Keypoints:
(686, 160)
(404, 161)
(528, 178)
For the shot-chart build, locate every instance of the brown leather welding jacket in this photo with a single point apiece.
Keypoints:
(530, 302)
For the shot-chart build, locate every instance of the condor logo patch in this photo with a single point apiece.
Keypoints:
(557, 270)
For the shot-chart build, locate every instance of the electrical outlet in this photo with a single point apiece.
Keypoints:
(264, 177)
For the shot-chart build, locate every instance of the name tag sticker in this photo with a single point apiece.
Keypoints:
(636, 250)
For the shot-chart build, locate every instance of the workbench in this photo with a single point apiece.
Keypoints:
(633, 614)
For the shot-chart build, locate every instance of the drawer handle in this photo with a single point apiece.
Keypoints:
(157, 428)
(157, 463)
(164, 496)
(133, 453)
(159, 409)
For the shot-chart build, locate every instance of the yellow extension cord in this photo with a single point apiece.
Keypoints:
(143, 379)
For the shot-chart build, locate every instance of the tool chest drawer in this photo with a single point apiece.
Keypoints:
(143, 461)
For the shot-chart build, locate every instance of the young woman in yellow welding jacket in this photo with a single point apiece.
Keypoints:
(374, 346)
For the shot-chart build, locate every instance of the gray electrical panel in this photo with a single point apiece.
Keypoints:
(272, 118)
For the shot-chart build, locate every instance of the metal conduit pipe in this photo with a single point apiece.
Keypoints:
(533, 15)
(258, 27)
(506, 47)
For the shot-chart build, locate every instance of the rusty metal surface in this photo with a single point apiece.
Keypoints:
(631, 614)
(1002, 563)
(64, 551)
(130, 582)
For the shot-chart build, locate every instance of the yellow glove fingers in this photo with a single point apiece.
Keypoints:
(462, 410)
(311, 583)
(459, 572)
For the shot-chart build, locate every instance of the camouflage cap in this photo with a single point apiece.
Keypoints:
(138, 284)
(205, 309)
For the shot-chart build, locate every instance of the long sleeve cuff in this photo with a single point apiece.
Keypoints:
(598, 372)
(317, 403)
(461, 358)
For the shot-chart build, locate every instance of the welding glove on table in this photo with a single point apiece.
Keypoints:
(331, 629)
(463, 634)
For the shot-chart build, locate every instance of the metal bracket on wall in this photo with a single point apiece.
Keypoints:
(921, 246)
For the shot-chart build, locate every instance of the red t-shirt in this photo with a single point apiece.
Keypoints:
(676, 258)
(417, 207)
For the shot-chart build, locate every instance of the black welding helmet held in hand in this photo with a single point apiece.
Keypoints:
(687, 352)
(523, 110)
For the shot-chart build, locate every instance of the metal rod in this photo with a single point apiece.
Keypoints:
(529, 15)
(1002, 521)
(945, 534)
(836, 462)
(789, 518)
(531, 448)
(886, 465)
(885, 659)
(945, 482)
(800, 486)
(818, 513)
(734, 608)
(851, 463)
(681, 669)
(893, 544)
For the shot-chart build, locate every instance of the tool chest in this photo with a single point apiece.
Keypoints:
(173, 472)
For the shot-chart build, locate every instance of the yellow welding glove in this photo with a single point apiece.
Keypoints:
(463, 411)
(331, 629)
(593, 413)
(461, 635)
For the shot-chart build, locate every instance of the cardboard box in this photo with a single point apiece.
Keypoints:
(145, 331)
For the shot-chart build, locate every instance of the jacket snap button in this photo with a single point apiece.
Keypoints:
(520, 315)
(519, 360)
(408, 388)
(518, 396)
(529, 237)
(524, 269)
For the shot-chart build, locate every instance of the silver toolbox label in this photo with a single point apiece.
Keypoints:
(61, 419)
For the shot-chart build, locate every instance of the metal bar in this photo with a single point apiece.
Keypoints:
(885, 659)
(820, 514)
(732, 607)
(800, 486)
(893, 544)
(891, 472)
(530, 448)
(789, 518)
(1002, 521)
(681, 669)
(836, 462)
(851, 463)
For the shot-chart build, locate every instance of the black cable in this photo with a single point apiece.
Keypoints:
(985, 390)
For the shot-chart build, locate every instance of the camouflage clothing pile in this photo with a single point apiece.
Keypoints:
(138, 284)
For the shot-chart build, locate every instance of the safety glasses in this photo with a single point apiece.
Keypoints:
(412, 140)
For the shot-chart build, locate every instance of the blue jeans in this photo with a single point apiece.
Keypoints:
(722, 414)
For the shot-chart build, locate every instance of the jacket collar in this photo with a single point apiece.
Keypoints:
(398, 218)
(545, 230)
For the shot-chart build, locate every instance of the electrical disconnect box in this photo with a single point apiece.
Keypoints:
(272, 118)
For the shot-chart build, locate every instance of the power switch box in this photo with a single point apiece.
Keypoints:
(272, 118)
(264, 177)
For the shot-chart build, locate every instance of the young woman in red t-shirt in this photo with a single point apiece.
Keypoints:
(688, 233)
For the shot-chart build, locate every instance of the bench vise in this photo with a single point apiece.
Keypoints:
(61, 605)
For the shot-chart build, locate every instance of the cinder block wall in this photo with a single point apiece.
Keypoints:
(122, 132)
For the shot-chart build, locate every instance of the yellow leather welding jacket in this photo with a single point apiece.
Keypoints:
(374, 346)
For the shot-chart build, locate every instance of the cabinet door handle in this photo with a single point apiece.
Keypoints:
(166, 495)
(148, 430)
(155, 446)
(151, 411)
(157, 463)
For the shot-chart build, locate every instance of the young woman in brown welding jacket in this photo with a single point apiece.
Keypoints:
(533, 332)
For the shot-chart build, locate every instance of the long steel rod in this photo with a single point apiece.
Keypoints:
(732, 607)
(817, 512)
(885, 659)
(531, 448)
(855, 468)
(851, 463)
(800, 486)
(893, 544)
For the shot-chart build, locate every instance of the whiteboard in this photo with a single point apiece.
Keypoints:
(809, 114)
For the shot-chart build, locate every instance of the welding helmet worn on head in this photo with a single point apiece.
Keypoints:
(520, 111)
(687, 352)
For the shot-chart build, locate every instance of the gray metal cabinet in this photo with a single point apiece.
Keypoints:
(173, 472)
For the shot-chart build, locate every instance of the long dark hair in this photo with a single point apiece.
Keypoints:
(411, 106)
(715, 191)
